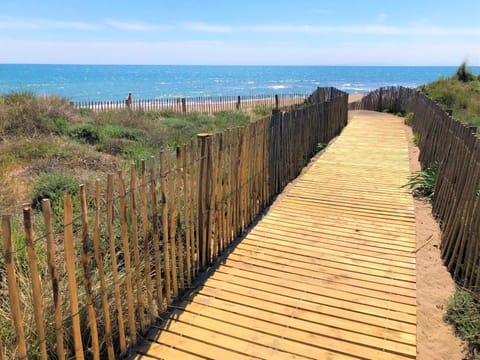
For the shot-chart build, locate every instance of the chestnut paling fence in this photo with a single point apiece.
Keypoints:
(88, 280)
(199, 103)
(455, 149)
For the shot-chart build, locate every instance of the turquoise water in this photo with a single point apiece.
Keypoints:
(114, 82)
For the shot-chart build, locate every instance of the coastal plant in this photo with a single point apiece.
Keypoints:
(408, 119)
(463, 74)
(262, 110)
(416, 138)
(463, 312)
(24, 114)
(458, 95)
(422, 183)
(53, 186)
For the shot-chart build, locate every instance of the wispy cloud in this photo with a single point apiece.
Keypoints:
(204, 27)
(136, 26)
(9, 23)
(13, 23)
(347, 29)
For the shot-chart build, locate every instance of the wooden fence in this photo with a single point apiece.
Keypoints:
(455, 149)
(201, 104)
(123, 252)
(394, 99)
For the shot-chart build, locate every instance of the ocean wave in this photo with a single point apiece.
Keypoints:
(278, 87)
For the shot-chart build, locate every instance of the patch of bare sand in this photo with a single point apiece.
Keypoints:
(435, 338)
(354, 97)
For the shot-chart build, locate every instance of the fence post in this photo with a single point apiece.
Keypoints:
(238, 102)
(276, 101)
(86, 265)
(13, 292)
(1, 349)
(72, 283)
(35, 278)
(204, 186)
(184, 105)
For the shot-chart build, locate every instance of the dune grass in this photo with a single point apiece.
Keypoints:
(460, 93)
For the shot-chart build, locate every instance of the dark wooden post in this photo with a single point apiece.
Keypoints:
(238, 103)
(204, 189)
(276, 101)
(184, 105)
(380, 104)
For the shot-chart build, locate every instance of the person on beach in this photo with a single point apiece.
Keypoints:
(129, 101)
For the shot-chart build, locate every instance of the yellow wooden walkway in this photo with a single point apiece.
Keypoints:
(328, 273)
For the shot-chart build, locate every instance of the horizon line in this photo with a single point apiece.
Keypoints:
(232, 65)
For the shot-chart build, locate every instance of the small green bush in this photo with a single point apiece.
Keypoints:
(53, 186)
(416, 138)
(463, 312)
(409, 119)
(463, 74)
(85, 133)
(422, 184)
(462, 97)
(262, 110)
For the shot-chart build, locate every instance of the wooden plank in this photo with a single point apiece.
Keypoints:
(72, 283)
(329, 272)
(53, 272)
(35, 280)
(13, 290)
(165, 352)
(290, 266)
(376, 307)
(192, 345)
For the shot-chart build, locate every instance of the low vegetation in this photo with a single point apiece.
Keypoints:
(463, 312)
(47, 148)
(47, 135)
(459, 93)
(422, 183)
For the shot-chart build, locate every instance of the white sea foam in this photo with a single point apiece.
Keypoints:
(278, 87)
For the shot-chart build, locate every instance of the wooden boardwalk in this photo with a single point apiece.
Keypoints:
(328, 273)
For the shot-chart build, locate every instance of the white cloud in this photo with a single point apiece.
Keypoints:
(224, 53)
(9, 23)
(141, 27)
(204, 27)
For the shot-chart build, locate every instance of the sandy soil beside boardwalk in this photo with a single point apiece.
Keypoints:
(435, 338)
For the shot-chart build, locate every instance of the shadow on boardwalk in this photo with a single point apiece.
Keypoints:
(329, 272)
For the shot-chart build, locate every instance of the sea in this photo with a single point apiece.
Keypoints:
(114, 82)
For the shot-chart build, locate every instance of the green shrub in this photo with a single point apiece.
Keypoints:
(422, 184)
(85, 133)
(53, 186)
(463, 98)
(228, 119)
(24, 114)
(463, 74)
(409, 119)
(463, 312)
(262, 110)
(416, 138)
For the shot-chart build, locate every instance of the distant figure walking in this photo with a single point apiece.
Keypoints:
(129, 101)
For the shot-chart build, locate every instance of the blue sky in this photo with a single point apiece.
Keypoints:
(247, 32)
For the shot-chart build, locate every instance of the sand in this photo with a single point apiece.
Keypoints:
(354, 97)
(435, 338)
